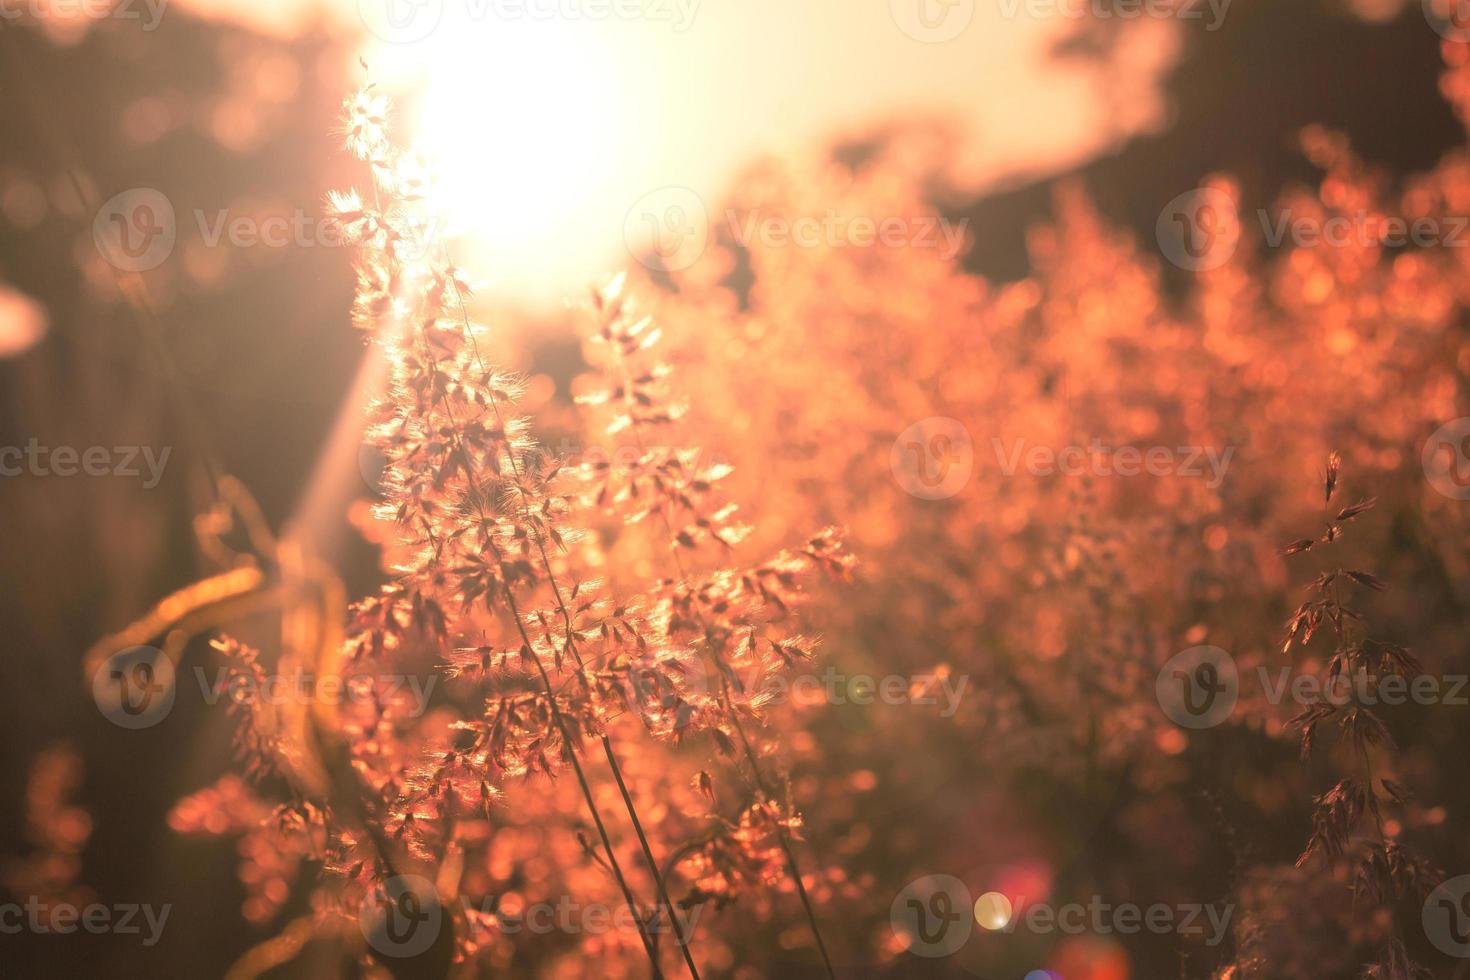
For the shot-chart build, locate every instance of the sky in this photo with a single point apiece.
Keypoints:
(561, 128)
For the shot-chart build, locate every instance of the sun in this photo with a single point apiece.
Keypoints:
(524, 123)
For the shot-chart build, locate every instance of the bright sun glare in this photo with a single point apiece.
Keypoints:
(523, 125)
(550, 133)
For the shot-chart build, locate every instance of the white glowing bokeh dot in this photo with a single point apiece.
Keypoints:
(993, 911)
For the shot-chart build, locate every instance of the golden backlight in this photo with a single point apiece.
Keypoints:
(527, 127)
(550, 130)
(554, 123)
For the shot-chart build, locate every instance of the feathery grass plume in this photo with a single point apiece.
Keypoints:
(1068, 593)
(569, 608)
(1348, 822)
(737, 619)
(474, 516)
